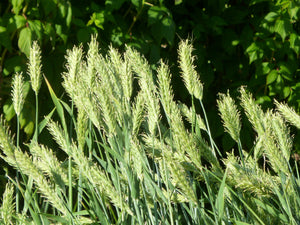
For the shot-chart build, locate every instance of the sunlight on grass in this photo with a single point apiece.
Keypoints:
(132, 154)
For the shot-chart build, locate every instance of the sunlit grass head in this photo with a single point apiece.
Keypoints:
(230, 115)
(35, 67)
(189, 74)
(18, 93)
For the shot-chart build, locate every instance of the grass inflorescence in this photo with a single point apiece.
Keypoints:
(134, 155)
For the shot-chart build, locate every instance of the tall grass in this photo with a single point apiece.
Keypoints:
(134, 155)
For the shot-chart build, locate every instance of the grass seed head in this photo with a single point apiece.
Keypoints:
(35, 67)
(7, 208)
(288, 113)
(18, 97)
(189, 74)
(230, 115)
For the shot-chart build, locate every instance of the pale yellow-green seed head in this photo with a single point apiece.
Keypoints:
(288, 113)
(18, 97)
(144, 73)
(230, 115)
(283, 138)
(92, 60)
(164, 84)
(6, 143)
(7, 208)
(253, 111)
(189, 74)
(35, 67)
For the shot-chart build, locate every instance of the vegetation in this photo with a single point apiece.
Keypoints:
(253, 43)
(116, 139)
(134, 155)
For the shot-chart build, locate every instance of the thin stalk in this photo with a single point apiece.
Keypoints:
(241, 152)
(17, 189)
(91, 136)
(71, 124)
(30, 182)
(208, 129)
(70, 163)
(79, 192)
(36, 117)
(193, 115)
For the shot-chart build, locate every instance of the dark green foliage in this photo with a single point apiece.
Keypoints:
(254, 43)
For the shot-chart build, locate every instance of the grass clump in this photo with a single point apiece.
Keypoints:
(130, 158)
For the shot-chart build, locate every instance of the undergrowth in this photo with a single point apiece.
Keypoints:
(134, 155)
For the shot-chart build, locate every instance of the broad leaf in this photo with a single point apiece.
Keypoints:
(156, 13)
(36, 27)
(271, 16)
(24, 41)
(283, 27)
(20, 21)
(272, 76)
(17, 5)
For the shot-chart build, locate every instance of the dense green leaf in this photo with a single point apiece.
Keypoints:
(27, 122)
(36, 28)
(61, 32)
(24, 41)
(8, 110)
(272, 76)
(156, 13)
(294, 9)
(287, 70)
(283, 27)
(271, 16)
(20, 21)
(255, 52)
(17, 5)
(286, 92)
(295, 42)
(99, 19)
(266, 67)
